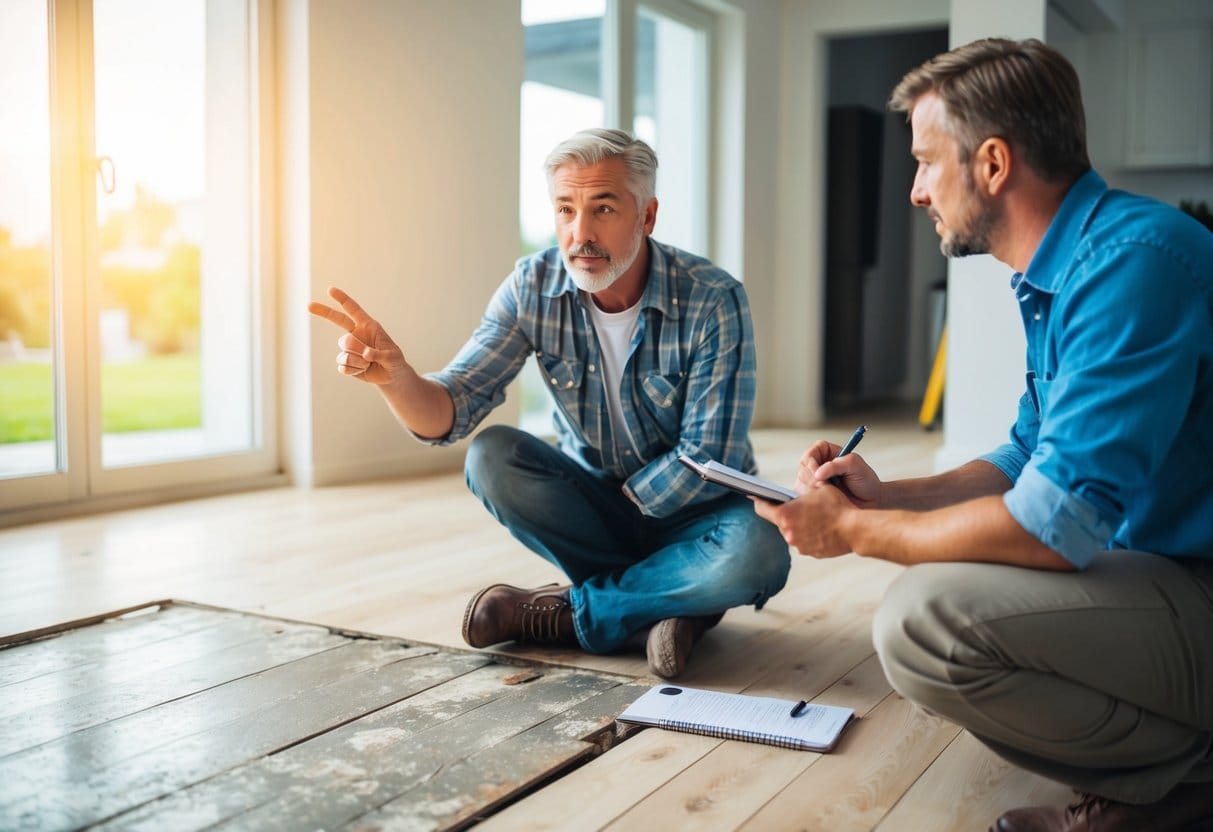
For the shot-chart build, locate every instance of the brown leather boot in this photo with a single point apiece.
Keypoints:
(506, 613)
(1187, 807)
(671, 639)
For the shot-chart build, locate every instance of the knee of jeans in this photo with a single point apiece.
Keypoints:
(756, 558)
(482, 465)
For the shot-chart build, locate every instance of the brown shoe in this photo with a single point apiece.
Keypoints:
(1188, 807)
(671, 639)
(507, 613)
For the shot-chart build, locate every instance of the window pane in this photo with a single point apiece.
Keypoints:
(561, 94)
(27, 387)
(174, 228)
(671, 115)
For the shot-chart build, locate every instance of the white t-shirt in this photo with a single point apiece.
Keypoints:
(615, 331)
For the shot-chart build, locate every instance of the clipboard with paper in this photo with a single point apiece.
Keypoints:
(739, 481)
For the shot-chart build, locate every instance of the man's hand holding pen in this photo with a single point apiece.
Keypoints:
(832, 483)
(825, 463)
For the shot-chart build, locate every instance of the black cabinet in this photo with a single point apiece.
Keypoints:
(855, 149)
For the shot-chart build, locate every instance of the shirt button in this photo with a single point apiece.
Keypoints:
(627, 453)
(554, 381)
(675, 301)
(1036, 317)
(591, 368)
(568, 384)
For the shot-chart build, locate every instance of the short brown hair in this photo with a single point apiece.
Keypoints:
(1022, 91)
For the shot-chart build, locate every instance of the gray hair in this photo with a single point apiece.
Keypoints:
(589, 147)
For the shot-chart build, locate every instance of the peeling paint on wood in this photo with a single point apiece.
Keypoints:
(189, 718)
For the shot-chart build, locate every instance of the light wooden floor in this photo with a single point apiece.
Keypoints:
(401, 558)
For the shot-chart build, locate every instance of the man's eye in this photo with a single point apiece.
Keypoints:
(605, 209)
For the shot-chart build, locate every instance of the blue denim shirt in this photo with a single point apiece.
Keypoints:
(1113, 447)
(687, 388)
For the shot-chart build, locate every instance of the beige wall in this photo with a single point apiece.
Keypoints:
(400, 185)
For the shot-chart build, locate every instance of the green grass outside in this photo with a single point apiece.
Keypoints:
(157, 393)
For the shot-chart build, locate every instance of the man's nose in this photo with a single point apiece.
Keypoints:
(918, 194)
(583, 228)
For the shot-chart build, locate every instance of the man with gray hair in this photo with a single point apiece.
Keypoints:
(648, 352)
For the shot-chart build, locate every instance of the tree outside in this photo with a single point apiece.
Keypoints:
(149, 271)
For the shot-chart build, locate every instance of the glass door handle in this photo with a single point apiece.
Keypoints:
(108, 174)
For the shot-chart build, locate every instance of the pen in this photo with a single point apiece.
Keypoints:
(853, 441)
(798, 707)
(847, 448)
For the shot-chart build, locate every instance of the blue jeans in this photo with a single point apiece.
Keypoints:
(628, 570)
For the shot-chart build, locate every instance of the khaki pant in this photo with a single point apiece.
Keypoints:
(1101, 679)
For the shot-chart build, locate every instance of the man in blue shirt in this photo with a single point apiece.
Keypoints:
(649, 354)
(1060, 604)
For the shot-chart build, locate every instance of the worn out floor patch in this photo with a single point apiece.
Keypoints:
(181, 716)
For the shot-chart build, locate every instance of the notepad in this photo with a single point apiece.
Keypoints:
(739, 481)
(737, 716)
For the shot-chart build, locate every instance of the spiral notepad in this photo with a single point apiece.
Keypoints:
(736, 716)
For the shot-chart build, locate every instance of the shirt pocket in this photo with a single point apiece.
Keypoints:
(663, 399)
(1038, 389)
(563, 376)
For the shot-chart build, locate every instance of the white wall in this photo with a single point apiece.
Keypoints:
(400, 143)
(985, 335)
(746, 173)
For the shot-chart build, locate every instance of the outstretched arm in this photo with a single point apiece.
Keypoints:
(369, 354)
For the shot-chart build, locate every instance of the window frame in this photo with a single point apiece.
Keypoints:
(80, 479)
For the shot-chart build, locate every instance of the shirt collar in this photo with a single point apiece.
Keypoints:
(658, 290)
(1049, 264)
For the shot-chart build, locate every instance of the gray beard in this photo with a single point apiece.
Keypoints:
(615, 268)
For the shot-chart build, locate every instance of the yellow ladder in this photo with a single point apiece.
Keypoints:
(933, 396)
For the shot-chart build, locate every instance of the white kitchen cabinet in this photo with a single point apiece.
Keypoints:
(1169, 110)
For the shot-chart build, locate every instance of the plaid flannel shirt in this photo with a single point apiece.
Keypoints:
(687, 388)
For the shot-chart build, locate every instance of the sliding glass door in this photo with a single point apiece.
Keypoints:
(28, 429)
(131, 293)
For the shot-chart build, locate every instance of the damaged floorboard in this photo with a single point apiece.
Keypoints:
(179, 716)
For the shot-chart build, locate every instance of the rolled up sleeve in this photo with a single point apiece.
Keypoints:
(1065, 522)
(1009, 458)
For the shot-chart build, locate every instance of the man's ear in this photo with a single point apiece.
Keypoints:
(992, 165)
(650, 215)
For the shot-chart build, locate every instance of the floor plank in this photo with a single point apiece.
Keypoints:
(967, 788)
(850, 790)
(219, 682)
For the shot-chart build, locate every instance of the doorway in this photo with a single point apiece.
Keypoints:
(882, 255)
